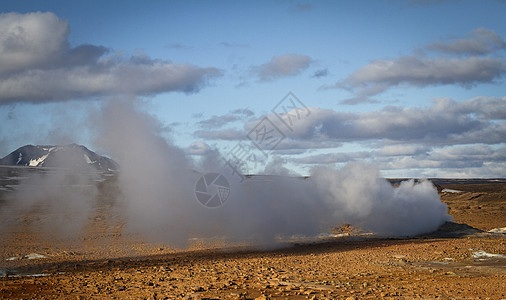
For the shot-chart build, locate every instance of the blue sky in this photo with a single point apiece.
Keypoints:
(416, 87)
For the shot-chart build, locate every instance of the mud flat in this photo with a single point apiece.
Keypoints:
(461, 260)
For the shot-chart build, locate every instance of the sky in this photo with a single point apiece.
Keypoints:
(414, 87)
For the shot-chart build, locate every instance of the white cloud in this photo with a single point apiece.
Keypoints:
(445, 122)
(402, 149)
(447, 137)
(459, 157)
(282, 66)
(332, 158)
(218, 121)
(299, 144)
(31, 40)
(38, 65)
(468, 153)
(487, 107)
(420, 71)
(480, 41)
(453, 161)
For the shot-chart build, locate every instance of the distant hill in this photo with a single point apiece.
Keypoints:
(67, 156)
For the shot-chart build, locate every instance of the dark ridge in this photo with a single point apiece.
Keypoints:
(70, 156)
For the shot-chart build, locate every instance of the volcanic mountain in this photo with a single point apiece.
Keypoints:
(71, 156)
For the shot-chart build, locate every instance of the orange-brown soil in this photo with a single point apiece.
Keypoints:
(104, 263)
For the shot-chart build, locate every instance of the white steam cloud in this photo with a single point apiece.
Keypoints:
(157, 181)
(55, 202)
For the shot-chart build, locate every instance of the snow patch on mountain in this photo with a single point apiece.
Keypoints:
(87, 159)
(38, 161)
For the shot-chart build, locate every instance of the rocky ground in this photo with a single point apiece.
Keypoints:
(456, 262)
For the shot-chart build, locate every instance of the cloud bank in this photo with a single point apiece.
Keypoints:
(419, 71)
(398, 137)
(444, 122)
(37, 64)
(480, 41)
(471, 62)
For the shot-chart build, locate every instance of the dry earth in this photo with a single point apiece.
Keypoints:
(103, 263)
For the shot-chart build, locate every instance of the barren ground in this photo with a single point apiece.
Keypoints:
(103, 263)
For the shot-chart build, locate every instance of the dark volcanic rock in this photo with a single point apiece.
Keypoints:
(452, 229)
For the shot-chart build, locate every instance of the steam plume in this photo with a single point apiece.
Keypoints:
(157, 181)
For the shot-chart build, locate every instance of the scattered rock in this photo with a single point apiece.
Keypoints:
(453, 229)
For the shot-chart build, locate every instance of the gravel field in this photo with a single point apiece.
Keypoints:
(457, 262)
